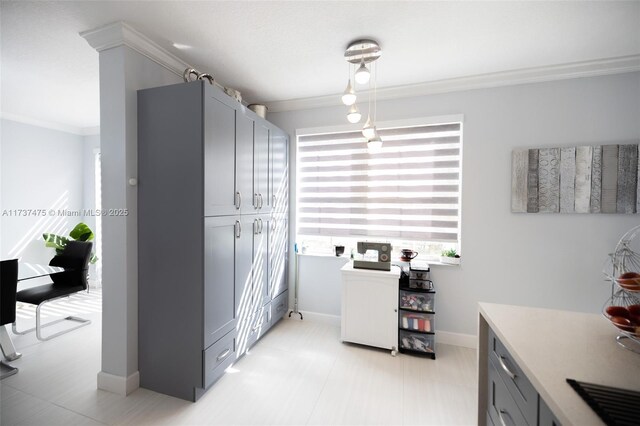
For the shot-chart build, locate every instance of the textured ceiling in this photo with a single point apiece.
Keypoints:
(272, 50)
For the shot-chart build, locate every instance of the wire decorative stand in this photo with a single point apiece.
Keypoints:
(625, 289)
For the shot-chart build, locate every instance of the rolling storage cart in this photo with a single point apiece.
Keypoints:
(416, 314)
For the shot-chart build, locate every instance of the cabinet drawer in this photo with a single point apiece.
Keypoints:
(545, 416)
(516, 382)
(424, 302)
(279, 307)
(260, 323)
(218, 357)
(417, 341)
(503, 410)
(416, 321)
(421, 284)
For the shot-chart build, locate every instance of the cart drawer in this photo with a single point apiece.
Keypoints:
(416, 321)
(421, 284)
(418, 274)
(422, 302)
(417, 341)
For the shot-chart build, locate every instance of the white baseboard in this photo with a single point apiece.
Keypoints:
(317, 317)
(118, 384)
(446, 337)
(457, 339)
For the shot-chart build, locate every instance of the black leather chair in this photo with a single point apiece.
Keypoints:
(75, 261)
(8, 285)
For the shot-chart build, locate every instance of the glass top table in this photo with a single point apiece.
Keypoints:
(28, 271)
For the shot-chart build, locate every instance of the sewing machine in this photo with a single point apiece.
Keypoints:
(384, 256)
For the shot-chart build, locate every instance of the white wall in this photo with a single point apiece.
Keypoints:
(123, 72)
(41, 169)
(546, 260)
(90, 147)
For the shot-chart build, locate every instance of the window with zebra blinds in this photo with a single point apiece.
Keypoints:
(406, 193)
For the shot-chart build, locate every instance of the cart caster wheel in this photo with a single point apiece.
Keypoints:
(394, 352)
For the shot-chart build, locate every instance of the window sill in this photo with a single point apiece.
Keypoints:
(430, 262)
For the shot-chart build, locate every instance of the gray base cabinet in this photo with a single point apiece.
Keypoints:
(212, 234)
(512, 399)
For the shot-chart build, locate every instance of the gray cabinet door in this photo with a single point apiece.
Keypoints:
(545, 416)
(261, 167)
(277, 255)
(279, 176)
(219, 277)
(279, 194)
(219, 157)
(245, 302)
(244, 162)
(261, 260)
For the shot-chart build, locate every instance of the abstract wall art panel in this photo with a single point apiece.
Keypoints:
(583, 179)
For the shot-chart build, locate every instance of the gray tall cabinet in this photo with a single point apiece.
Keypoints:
(212, 234)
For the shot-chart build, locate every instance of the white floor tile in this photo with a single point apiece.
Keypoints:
(299, 373)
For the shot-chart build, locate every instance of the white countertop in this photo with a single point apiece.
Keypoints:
(395, 271)
(551, 346)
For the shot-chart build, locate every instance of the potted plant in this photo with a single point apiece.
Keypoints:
(450, 256)
(81, 232)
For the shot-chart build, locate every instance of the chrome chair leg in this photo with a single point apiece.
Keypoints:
(39, 326)
(8, 350)
(7, 370)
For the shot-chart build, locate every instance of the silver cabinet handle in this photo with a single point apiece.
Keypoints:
(255, 227)
(256, 202)
(238, 229)
(223, 355)
(238, 200)
(273, 201)
(505, 368)
(500, 413)
(260, 225)
(259, 324)
(260, 201)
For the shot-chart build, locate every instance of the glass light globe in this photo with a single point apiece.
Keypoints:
(349, 95)
(369, 131)
(354, 115)
(362, 74)
(374, 144)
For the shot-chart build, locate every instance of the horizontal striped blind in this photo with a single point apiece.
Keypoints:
(409, 189)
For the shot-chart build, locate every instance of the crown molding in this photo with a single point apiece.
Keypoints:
(122, 34)
(75, 130)
(618, 65)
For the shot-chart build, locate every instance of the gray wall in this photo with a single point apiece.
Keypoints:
(39, 167)
(552, 260)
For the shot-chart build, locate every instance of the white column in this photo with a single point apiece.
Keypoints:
(128, 62)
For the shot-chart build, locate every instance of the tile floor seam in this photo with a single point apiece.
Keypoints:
(55, 404)
(324, 385)
(78, 413)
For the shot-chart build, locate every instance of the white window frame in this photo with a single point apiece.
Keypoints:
(410, 122)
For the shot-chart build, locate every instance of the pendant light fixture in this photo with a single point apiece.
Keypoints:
(369, 130)
(349, 96)
(354, 115)
(362, 75)
(363, 52)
